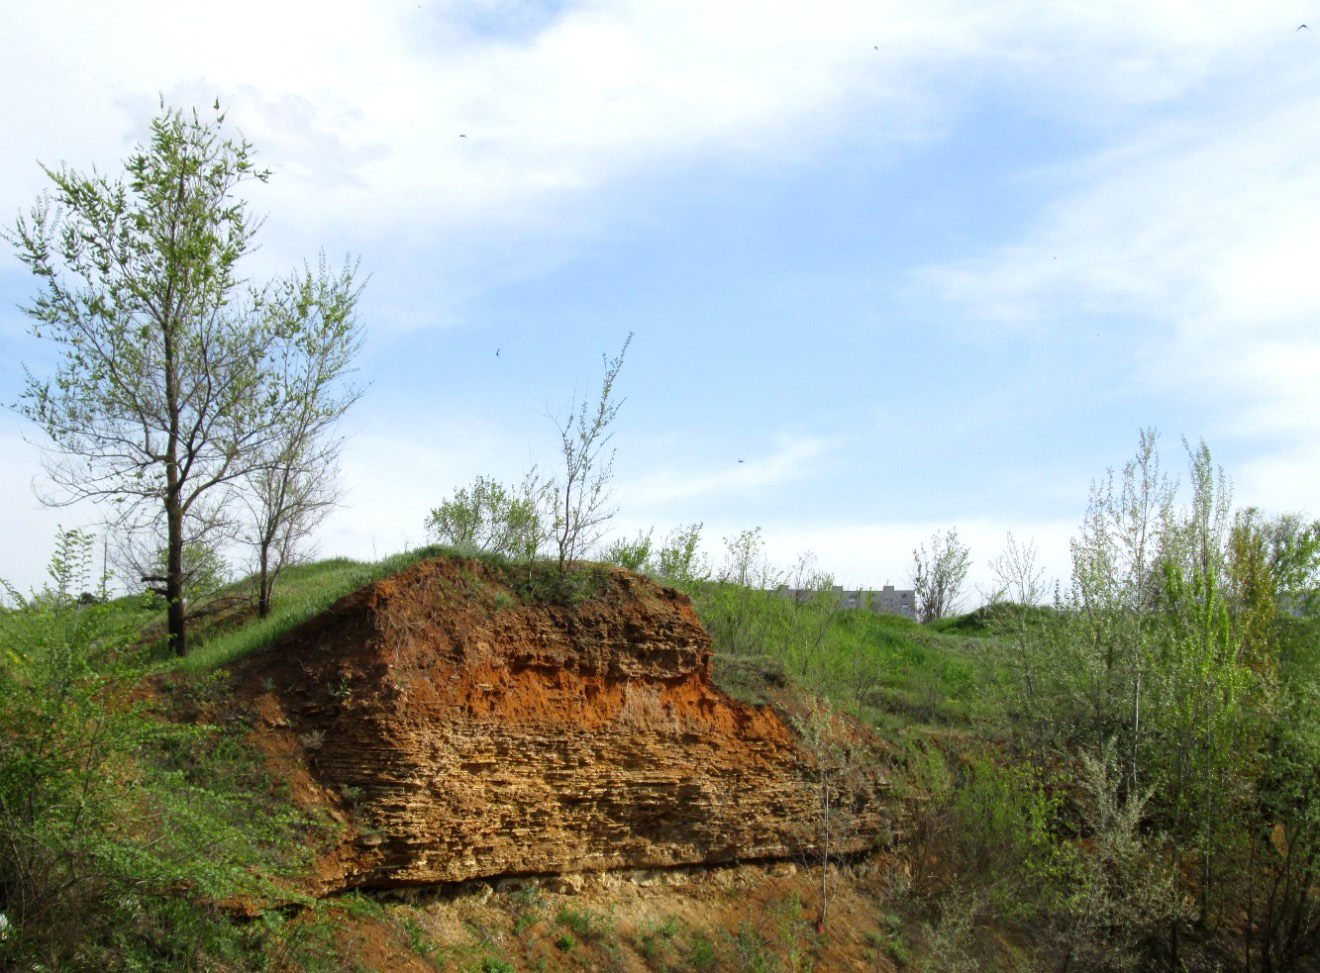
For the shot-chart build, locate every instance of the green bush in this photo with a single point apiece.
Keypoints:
(121, 830)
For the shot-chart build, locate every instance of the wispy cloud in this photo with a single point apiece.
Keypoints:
(1194, 240)
(1170, 201)
(793, 458)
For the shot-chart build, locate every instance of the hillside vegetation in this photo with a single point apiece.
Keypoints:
(1125, 780)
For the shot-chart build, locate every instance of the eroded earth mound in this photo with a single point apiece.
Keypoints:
(460, 731)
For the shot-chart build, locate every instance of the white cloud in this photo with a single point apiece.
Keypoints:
(1202, 230)
(360, 109)
(1194, 241)
(794, 458)
(1178, 222)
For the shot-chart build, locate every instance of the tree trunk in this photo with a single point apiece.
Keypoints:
(263, 582)
(177, 609)
(177, 617)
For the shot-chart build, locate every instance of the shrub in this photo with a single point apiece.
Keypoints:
(121, 830)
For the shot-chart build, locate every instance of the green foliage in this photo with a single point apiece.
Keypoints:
(1174, 682)
(121, 831)
(492, 518)
(175, 378)
(1005, 820)
(205, 570)
(540, 583)
(525, 906)
(678, 560)
(701, 954)
(1284, 909)
(309, 590)
(883, 667)
(891, 941)
(580, 502)
(591, 927)
(293, 482)
(633, 555)
(778, 941)
(938, 574)
(981, 824)
(1124, 896)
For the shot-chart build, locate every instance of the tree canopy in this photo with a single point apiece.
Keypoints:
(179, 378)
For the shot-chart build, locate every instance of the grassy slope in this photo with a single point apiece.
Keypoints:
(899, 676)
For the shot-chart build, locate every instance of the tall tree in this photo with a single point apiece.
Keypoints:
(169, 387)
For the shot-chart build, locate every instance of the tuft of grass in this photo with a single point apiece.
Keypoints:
(702, 955)
(746, 678)
(590, 926)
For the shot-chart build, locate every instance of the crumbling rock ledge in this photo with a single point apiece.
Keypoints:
(459, 732)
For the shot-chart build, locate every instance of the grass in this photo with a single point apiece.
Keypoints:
(886, 669)
(307, 590)
(303, 592)
(590, 926)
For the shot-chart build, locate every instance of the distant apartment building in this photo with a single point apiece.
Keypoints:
(887, 600)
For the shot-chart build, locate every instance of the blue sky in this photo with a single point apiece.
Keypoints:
(916, 265)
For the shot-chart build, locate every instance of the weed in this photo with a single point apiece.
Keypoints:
(524, 904)
(889, 941)
(647, 946)
(701, 954)
(313, 739)
(753, 951)
(669, 928)
(591, 927)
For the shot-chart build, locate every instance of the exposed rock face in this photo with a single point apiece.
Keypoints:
(462, 734)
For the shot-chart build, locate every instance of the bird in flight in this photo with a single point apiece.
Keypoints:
(1303, 27)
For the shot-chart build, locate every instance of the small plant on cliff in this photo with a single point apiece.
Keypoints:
(590, 926)
(701, 954)
(633, 555)
(581, 501)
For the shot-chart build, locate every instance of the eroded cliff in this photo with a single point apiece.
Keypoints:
(458, 731)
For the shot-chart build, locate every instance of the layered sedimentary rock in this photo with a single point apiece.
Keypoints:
(461, 732)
